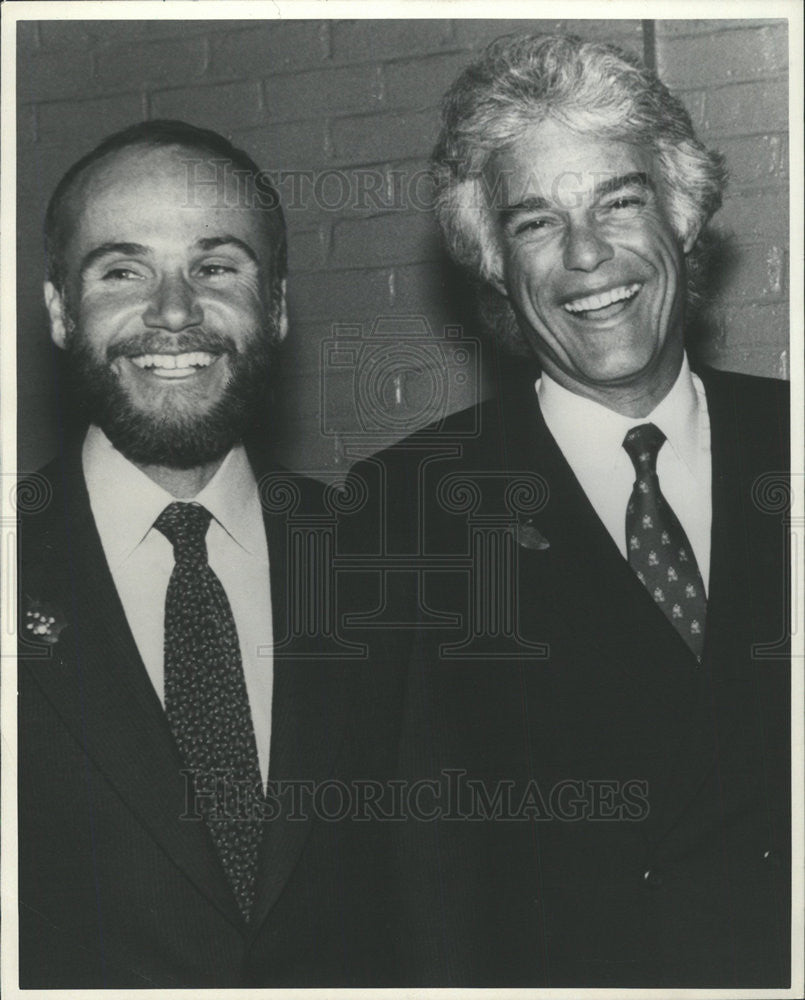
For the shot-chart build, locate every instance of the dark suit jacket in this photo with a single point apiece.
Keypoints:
(651, 847)
(115, 889)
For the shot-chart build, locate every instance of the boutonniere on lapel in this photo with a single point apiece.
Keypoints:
(43, 623)
(528, 535)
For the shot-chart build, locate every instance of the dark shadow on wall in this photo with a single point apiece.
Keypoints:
(717, 264)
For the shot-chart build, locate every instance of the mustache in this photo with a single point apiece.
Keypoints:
(158, 342)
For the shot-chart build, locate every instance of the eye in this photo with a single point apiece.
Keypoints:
(121, 274)
(534, 225)
(216, 270)
(626, 204)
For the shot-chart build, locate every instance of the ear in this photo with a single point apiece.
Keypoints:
(492, 269)
(282, 324)
(58, 315)
(688, 239)
(497, 282)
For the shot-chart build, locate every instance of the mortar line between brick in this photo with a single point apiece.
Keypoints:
(649, 44)
(207, 57)
(326, 41)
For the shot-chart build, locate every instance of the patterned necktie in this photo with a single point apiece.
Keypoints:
(659, 550)
(205, 694)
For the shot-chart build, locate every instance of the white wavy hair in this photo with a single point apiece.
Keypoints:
(591, 87)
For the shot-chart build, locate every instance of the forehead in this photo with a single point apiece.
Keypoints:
(162, 197)
(551, 161)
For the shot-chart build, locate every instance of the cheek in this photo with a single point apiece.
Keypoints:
(529, 271)
(103, 323)
(245, 311)
(534, 296)
(670, 268)
(96, 321)
(656, 242)
(103, 311)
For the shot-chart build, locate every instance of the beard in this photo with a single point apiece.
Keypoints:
(180, 430)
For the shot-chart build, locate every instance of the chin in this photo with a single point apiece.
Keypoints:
(625, 375)
(179, 430)
(621, 367)
(174, 446)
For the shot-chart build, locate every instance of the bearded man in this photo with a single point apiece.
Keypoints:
(163, 706)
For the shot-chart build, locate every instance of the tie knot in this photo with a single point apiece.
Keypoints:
(185, 526)
(642, 445)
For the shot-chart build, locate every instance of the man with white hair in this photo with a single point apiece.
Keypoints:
(622, 759)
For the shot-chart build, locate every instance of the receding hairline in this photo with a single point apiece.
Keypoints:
(62, 212)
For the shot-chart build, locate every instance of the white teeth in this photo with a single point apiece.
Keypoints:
(602, 300)
(195, 359)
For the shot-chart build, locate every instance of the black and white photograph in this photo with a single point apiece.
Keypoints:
(402, 498)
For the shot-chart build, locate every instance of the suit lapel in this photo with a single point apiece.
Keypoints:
(310, 706)
(693, 764)
(98, 684)
(730, 509)
(641, 660)
(582, 553)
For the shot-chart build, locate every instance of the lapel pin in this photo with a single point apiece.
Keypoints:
(44, 624)
(529, 536)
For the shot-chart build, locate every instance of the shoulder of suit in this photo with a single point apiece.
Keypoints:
(749, 400)
(750, 416)
(42, 495)
(464, 427)
(49, 509)
(292, 493)
(750, 388)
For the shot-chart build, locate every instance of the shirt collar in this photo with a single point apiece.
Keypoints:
(231, 496)
(125, 502)
(677, 416)
(592, 434)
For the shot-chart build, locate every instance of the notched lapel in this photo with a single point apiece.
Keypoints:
(311, 708)
(581, 568)
(611, 641)
(98, 684)
(310, 711)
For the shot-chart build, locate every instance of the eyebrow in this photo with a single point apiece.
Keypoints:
(140, 250)
(635, 179)
(533, 203)
(213, 242)
(536, 203)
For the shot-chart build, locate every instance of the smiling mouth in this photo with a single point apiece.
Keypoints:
(174, 365)
(603, 304)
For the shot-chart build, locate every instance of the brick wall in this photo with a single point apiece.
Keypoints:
(732, 77)
(349, 110)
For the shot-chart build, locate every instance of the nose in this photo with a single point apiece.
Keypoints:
(173, 306)
(585, 248)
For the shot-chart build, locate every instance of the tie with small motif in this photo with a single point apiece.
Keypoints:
(659, 550)
(205, 696)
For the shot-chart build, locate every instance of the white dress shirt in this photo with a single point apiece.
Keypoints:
(590, 437)
(125, 503)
